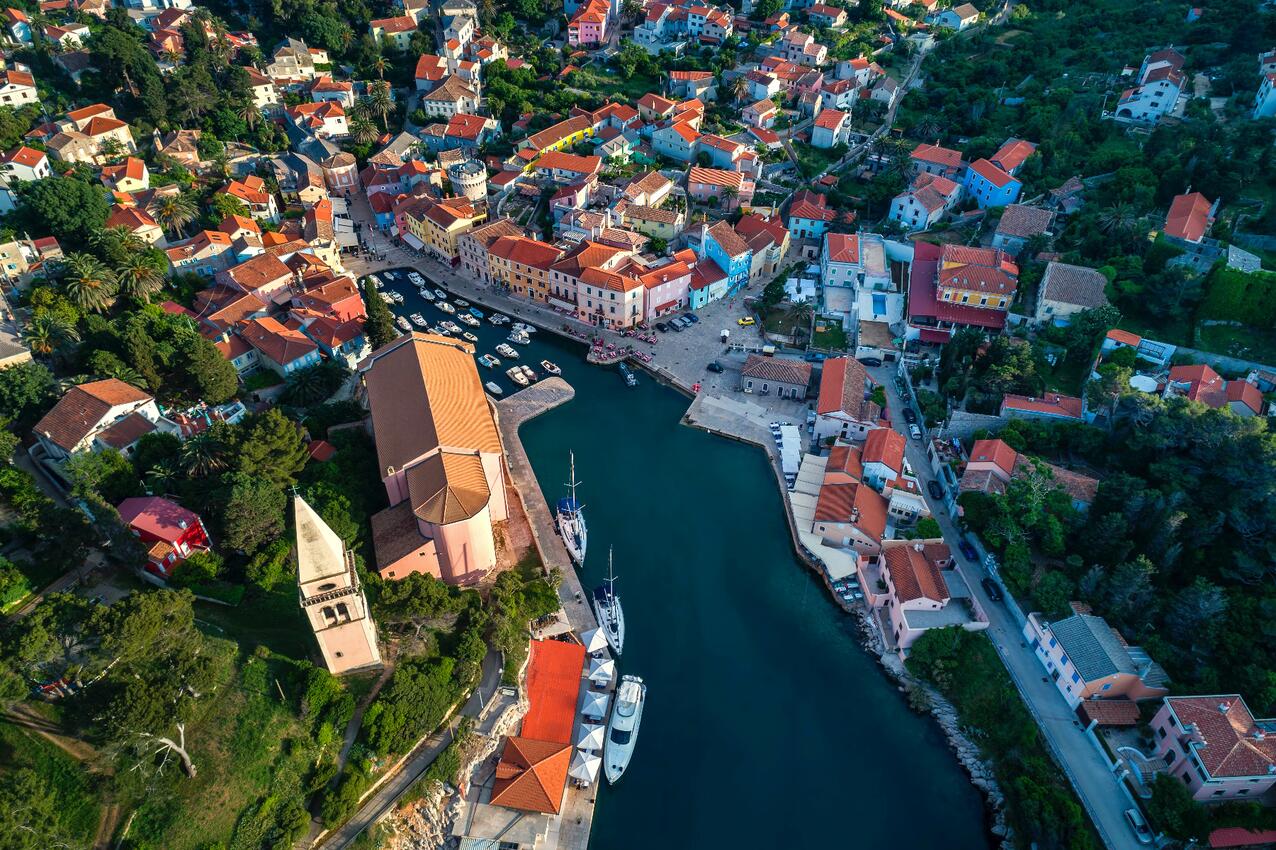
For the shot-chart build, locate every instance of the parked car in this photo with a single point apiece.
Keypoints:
(935, 489)
(910, 416)
(691, 317)
(745, 322)
(994, 593)
(676, 325)
(968, 549)
(914, 432)
(662, 327)
(870, 361)
(1139, 825)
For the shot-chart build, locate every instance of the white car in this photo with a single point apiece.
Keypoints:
(1139, 825)
(914, 432)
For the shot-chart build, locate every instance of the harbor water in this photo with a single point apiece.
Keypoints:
(767, 725)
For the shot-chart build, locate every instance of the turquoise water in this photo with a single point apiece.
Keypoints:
(766, 725)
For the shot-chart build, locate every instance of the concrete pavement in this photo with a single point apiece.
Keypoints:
(1105, 799)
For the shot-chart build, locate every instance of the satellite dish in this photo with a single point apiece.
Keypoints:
(1143, 383)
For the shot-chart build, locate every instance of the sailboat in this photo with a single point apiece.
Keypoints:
(571, 520)
(607, 608)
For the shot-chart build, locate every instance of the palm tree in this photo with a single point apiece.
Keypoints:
(362, 108)
(362, 130)
(251, 115)
(379, 65)
(161, 477)
(117, 244)
(88, 282)
(729, 194)
(382, 104)
(141, 276)
(47, 334)
(202, 454)
(307, 386)
(1118, 219)
(739, 88)
(175, 212)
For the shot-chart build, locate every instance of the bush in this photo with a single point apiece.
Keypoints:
(340, 802)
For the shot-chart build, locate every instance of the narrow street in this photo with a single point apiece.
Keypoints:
(1102, 795)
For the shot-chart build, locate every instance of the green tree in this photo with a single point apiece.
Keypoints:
(174, 212)
(67, 207)
(105, 473)
(271, 565)
(87, 281)
(200, 568)
(379, 323)
(25, 391)
(48, 334)
(253, 514)
(272, 449)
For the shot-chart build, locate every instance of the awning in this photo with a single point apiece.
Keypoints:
(412, 240)
(602, 671)
(590, 737)
(935, 335)
(669, 306)
(595, 704)
(585, 766)
(594, 640)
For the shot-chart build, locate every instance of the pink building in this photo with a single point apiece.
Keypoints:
(440, 459)
(1216, 746)
(667, 289)
(925, 590)
(589, 25)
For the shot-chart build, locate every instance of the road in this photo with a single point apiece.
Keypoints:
(384, 798)
(1102, 795)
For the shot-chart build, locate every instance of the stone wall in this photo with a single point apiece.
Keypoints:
(962, 424)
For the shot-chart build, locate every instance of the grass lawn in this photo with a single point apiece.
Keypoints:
(1246, 342)
(273, 620)
(601, 82)
(812, 161)
(71, 786)
(833, 337)
(790, 321)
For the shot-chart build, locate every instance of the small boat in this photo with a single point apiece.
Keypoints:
(498, 319)
(450, 327)
(476, 312)
(391, 295)
(440, 294)
(551, 367)
(489, 361)
(530, 374)
(461, 302)
(441, 331)
(519, 337)
(622, 728)
(468, 337)
(418, 320)
(427, 294)
(403, 324)
(524, 327)
(416, 278)
(494, 388)
(611, 618)
(446, 307)
(507, 351)
(516, 375)
(571, 519)
(467, 319)
(630, 378)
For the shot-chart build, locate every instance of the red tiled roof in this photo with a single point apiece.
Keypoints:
(531, 775)
(160, 517)
(1189, 217)
(83, 407)
(781, 369)
(553, 686)
(830, 119)
(569, 162)
(915, 572)
(1125, 337)
(1238, 836)
(991, 173)
(997, 452)
(23, 155)
(1051, 404)
(884, 446)
(1245, 393)
(935, 154)
(1231, 747)
(1013, 154)
(843, 247)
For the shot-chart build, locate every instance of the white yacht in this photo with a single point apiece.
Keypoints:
(419, 320)
(611, 618)
(519, 337)
(507, 351)
(404, 324)
(571, 519)
(622, 728)
(524, 327)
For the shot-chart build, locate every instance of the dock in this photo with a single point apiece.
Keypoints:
(577, 817)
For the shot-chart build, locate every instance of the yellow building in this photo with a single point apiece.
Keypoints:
(522, 265)
(977, 277)
(435, 226)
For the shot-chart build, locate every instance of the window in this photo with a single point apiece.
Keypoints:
(1161, 731)
(1170, 756)
(1076, 677)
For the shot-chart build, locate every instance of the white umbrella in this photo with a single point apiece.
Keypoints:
(595, 704)
(585, 766)
(602, 671)
(594, 640)
(590, 737)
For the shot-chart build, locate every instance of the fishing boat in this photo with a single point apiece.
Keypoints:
(416, 279)
(391, 295)
(498, 319)
(516, 375)
(489, 361)
(524, 327)
(571, 518)
(403, 324)
(427, 294)
(476, 312)
(519, 337)
(494, 388)
(530, 374)
(440, 294)
(630, 378)
(446, 307)
(441, 331)
(461, 302)
(507, 351)
(551, 368)
(607, 608)
(450, 327)
(467, 319)
(418, 320)
(622, 728)
(468, 337)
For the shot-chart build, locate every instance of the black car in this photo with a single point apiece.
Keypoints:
(870, 361)
(968, 550)
(910, 416)
(691, 317)
(662, 327)
(715, 367)
(935, 490)
(991, 588)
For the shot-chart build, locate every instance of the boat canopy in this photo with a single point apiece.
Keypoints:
(594, 640)
(595, 704)
(585, 766)
(568, 504)
(590, 736)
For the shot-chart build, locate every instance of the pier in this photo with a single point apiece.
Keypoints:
(577, 817)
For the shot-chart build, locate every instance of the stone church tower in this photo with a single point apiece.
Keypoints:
(330, 595)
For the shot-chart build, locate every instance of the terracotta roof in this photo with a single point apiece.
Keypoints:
(553, 686)
(402, 23)
(856, 504)
(655, 103)
(761, 233)
(715, 177)
(424, 392)
(1076, 285)
(1231, 744)
(127, 431)
(569, 162)
(1013, 154)
(1024, 222)
(531, 775)
(844, 459)
(980, 269)
(939, 156)
(1189, 217)
(843, 387)
(262, 270)
(997, 452)
(1245, 393)
(448, 487)
(842, 247)
(160, 517)
(830, 119)
(992, 173)
(884, 446)
(1109, 712)
(273, 339)
(83, 407)
(1052, 404)
(1125, 337)
(17, 78)
(915, 571)
(1238, 836)
(528, 252)
(781, 369)
(724, 234)
(23, 155)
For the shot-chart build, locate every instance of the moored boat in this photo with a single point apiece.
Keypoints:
(551, 368)
(571, 518)
(611, 617)
(451, 327)
(440, 294)
(630, 378)
(530, 374)
(476, 312)
(622, 728)
(418, 320)
(516, 375)
(494, 388)
(446, 307)
(441, 331)
(467, 319)
(507, 351)
(468, 337)
(498, 319)
(489, 361)
(524, 327)
(519, 337)
(403, 323)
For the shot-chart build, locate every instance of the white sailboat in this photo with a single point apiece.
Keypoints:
(571, 520)
(622, 729)
(611, 618)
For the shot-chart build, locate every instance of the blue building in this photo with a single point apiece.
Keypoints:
(990, 186)
(732, 254)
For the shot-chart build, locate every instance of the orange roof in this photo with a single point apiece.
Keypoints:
(914, 569)
(1125, 337)
(1051, 404)
(553, 686)
(884, 446)
(1230, 745)
(17, 78)
(655, 103)
(715, 177)
(23, 155)
(100, 125)
(1189, 217)
(1013, 154)
(830, 119)
(78, 115)
(84, 407)
(402, 23)
(525, 251)
(531, 775)
(991, 173)
(560, 161)
(996, 452)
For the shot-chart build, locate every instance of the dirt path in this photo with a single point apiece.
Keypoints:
(106, 826)
(24, 717)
